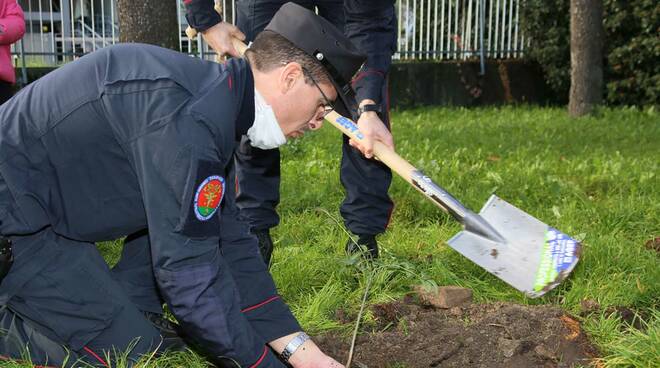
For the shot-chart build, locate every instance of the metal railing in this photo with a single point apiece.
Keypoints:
(58, 31)
(459, 29)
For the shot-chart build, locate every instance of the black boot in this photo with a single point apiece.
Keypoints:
(265, 244)
(169, 331)
(366, 244)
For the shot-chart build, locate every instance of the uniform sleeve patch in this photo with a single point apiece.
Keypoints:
(201, 212)
(208, 197)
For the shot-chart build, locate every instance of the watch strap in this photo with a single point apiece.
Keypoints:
(368, 107)
(293, 345)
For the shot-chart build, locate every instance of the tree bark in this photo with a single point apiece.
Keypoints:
(149, 21)
(586, 56)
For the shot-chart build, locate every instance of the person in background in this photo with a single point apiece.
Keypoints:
(367, 207)
(12, 28)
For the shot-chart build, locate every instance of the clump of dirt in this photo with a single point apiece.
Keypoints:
(479, 335)
(589, 306)
(653, 244)
(635, 319)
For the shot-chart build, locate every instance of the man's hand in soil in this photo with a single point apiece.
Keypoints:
(219, 38)
(373, 130)
(307, 355)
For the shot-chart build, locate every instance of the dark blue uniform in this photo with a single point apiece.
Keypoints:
(371, 25)
(128, 138)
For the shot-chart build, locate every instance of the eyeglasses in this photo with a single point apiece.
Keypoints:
(327, 105)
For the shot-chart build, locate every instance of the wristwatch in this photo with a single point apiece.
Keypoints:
(293, 345)
(368, 107)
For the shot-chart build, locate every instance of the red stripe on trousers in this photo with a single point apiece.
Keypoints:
(90, 352)
(263, 356)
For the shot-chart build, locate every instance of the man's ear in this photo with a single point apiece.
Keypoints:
(289, 76)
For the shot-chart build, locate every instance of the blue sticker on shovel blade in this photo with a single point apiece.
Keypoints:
(558, 255)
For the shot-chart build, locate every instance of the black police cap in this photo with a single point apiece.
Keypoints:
(327, 44)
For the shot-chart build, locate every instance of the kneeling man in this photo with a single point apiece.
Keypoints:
(138, 141)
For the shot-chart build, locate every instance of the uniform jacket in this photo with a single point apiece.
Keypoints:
(133, 137)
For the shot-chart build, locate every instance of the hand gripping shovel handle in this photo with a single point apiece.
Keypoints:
(239, 46)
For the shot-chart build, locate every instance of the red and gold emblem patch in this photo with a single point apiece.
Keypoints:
(208, 197)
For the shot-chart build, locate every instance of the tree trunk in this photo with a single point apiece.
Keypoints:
(586, 56)
(149, 21)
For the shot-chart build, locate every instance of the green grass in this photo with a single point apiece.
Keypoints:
(595, 178)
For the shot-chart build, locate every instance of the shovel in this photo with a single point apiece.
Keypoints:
(502, 239)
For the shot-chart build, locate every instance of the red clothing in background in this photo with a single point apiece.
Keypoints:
(12, 28)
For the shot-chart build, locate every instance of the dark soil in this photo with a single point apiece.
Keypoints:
(653, 244)
(478, 335)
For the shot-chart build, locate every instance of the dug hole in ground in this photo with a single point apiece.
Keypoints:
(440, 327)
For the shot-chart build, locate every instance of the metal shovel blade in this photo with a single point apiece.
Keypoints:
(533, 257)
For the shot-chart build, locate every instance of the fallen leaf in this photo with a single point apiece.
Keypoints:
(572, 325)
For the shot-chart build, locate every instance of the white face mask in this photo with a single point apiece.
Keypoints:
(265, 133)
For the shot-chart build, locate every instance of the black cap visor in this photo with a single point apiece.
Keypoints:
(345, 102)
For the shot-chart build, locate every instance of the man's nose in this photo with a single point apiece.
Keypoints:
(316, 124)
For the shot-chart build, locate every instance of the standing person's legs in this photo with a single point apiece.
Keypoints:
(252, 16)
(258, 194)
(72, 302)
(257, 170)
(333, 11)
(367, 207)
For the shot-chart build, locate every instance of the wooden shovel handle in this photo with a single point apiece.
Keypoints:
(384, 153)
